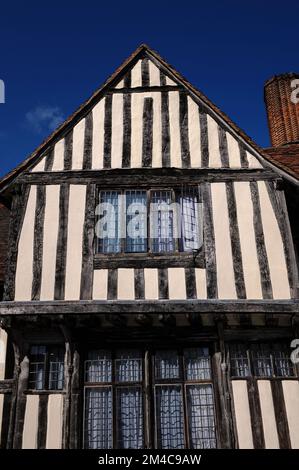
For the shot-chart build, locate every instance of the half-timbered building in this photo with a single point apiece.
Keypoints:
(176, 335)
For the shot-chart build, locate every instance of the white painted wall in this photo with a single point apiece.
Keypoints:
(30, 430)
(242, 414)
(54, 425)
(268, 414)
(291, 398)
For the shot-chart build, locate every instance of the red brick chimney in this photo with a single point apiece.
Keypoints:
(282, 104)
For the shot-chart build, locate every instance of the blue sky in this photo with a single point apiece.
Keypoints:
(55, 54)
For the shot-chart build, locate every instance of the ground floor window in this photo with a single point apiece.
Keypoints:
(46, 371)
(268, 360)
(174, 387)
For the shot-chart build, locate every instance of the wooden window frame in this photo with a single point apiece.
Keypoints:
(46, 368)
(148, 385)
(249, 352)
(149, 258)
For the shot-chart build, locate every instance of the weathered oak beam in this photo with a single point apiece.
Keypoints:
(144, 306)
(143, 177)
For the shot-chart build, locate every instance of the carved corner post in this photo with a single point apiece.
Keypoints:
(226, 432)
(68, 372)
(20, 384)
(75, 396)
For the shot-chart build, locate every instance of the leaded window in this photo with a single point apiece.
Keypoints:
(46, 370)
(162, 222)
(114, 400)
(158, 221)
(184, 399)
(261, 360)
(179, 387)
(109, 240)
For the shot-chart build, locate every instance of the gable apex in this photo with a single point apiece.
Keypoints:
(173, 78)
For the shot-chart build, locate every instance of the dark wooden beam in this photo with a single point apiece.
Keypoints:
(146, 89)
(88, 244)
(223, 150)
(17, 215)
(63, 307)
(209, 242)
(38, 242)
(260, 243)
(144, 177)
(75, 405)
(147, 260)
(21, 401)
(42, 421)
(255, 414)
(62, 242)
(280, 415)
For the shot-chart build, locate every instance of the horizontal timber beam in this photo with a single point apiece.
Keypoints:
(62, 307)
(147, 89)
(146, 176)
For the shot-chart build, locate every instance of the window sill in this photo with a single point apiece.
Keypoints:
(149, 260)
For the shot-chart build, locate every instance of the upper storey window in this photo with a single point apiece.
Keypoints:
(157, 221)
(46, 371)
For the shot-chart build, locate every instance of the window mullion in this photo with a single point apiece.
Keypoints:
(147, 424)
(114, 404)
(47, 370)
(175, 220)
(184, 397)
(149, 215)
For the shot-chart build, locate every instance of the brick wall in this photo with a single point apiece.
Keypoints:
(283, 114)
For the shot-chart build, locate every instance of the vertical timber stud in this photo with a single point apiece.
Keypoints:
(11, 426)
(17, 214)
(165, 124)
(185, 149)
(147, 141)
(222, 396)
(68, 372)
(280, 415)
(235, 241)
(62, 242)
(68, 151)
(260, 242)
(88, 245)
(209, 242)
(87, 153)
(21, 397)
(75, 421)
(255, 414)
(204, 140)
(42, 421)
(38, 242)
